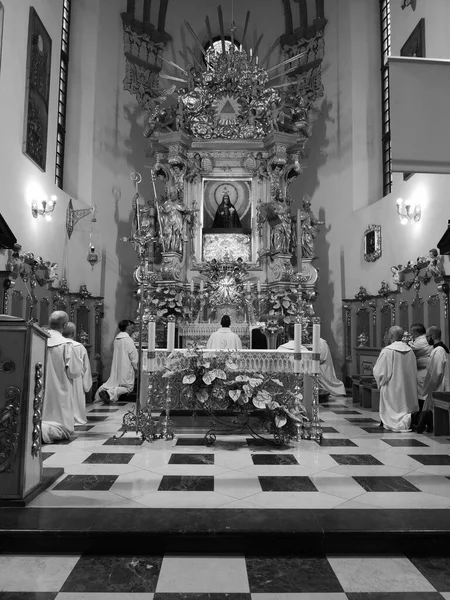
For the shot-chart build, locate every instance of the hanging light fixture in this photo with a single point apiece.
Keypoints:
(94, 254)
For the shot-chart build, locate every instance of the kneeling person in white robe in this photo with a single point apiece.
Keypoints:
(83, 383)
(63, 366)
(224, 338)
(396, 375)
(123, 367)
(327, 375)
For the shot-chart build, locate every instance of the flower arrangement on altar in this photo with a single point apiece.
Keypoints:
(283, 304)
(170, 300)
(213, 383)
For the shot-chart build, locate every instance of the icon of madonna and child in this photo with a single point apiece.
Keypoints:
(227, 207)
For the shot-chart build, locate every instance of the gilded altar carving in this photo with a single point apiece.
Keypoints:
(9, 428)
(37, 410)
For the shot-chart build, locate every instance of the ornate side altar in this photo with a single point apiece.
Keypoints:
(223, 233)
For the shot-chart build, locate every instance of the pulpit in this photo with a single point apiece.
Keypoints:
(23, 352)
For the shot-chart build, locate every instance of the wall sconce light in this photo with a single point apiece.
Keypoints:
(411, 3)
(407, 212)
(43, 208)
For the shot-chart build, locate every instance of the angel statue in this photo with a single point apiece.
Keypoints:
(195, 168)
(173, 217)
(175, 184)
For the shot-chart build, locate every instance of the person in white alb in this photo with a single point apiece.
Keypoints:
(83, 383)
(224, 338)
(327, 375)
(124, 365)
(289, 346)
(422, 351)
(396, 375)
(63, 366)
(437, 378)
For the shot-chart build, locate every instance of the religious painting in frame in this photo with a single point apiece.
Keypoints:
(2, 12)
(37, 91)
(227, 220)
(414, 46)
(372, 243)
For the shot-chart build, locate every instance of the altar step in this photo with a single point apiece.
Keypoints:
(212, 531)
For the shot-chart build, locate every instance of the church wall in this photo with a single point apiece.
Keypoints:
(22, 181)
(344, 176)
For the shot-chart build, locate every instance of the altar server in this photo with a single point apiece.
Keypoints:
(396, 375)
(224, 338)
(124, 365)
(327, 375)
(289, 346)
(437, 378)
(83, 383)
(422, 351)
(63, 366)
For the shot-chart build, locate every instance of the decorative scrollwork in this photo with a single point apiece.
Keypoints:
(9, 428)
(37, 410)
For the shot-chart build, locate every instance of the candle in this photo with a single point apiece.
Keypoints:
(170, 336)
(299, 240)
(316, 338)
(258, 287)
(192, 287)
(151, 363)
(248, 286)
(202, 285)
(297, 347)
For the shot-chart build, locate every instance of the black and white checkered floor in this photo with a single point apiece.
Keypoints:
(231, 577)
(358, 465)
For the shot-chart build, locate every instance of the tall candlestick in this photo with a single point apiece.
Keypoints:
(258, 287)
(248, 286)
(192, 287)
(299, 240)
(202, 285)
(151, 359)
(297, 347)
(316, 338)
(170, 335)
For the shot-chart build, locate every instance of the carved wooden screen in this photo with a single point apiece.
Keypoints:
(44, 312)
(403, 316)
(385, 324)
(363, 324)
(434, 310)
(17, 303)
(82, 322)
(418, 312)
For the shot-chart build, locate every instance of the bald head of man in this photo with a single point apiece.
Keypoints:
(396, 333)
(433, 334)
(58, 320)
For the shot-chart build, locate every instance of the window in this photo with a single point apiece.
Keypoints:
(62, 98)
(385, 28)
(216, 47)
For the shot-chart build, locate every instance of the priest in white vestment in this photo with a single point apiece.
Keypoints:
(124, 365)
(327, 375)
(83, 383)
(422, 351)
(396, 375)
(224, 338)
(437, 378)
(63, 366)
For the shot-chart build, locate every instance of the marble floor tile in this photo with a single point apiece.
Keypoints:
(108, 458)
(432, 459)
(86, 483)
(403, 500)
(103, 596)
(28, 595)
(337, 485)
(286, 484)
(200, 596)
(361, 420)
(95, 419)
(291, 574)
(378, 574)
(355, 459)
(47, 455)
(237, 485)
(114, 574)
(183, 500)
(136, 484)
(186, 470)
(404, 442)
(103, 410)
(385, 484)
(65, 459)
(295, 500)
(301, 596)
(337, 411)
(203, 574)
(35, 573)
(274, 459)
(336, 442)
(233, 460)
(124, 441)
(191, 459)
(74, 499)
(100, 469)
(83, 428)
(186, 483)
(432, 484)
(436, 569)
(397, 459)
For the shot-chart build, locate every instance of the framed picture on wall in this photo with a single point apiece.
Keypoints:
(414, 46)
(37, 91)
(372, 243)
